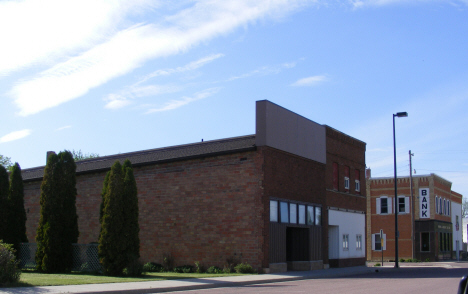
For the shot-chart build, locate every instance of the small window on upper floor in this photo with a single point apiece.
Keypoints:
(346, 183)
(357, 181)
(383, 205)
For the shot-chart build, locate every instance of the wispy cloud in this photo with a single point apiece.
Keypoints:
(63, 128)
(15, 135)
(125, 97)
(264, 70)
(129, 48)
(191, 66)
(51, 30)
(365, 3)
(173, 104)
(310, 81)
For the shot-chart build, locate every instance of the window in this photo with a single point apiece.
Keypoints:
(346, 178)
(448, 207)
(345, 242)
(302, 214)
(383, 205)
(335, 176)
(273, 211)
(284, 212)
(346, 183)
(357, 181)
(377, 244)
(293, 213)
(403, 204)
(358, 242)
(437, 205)
(445, 208)
(440, 205)
(425, 242)
(318, 216)
(310, 215)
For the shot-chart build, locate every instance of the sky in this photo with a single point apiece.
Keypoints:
(118, 76)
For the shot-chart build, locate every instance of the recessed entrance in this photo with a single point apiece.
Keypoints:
(297, 247)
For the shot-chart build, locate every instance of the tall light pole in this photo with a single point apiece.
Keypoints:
(398, 114)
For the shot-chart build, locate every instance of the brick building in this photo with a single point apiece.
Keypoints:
(273, 199)
(429, 224)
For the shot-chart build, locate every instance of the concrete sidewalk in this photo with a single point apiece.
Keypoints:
(191, 284)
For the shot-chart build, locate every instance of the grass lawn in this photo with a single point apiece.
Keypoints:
(30, 279)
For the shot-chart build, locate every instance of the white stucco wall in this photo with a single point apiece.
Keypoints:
(346, 223)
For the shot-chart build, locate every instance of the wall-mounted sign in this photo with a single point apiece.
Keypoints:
(424, 204)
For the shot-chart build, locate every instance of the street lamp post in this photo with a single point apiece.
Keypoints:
(398, 114)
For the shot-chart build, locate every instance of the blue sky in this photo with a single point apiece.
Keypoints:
(115, 76)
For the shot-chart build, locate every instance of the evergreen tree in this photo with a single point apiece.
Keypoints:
(58, 222)
(119, 243)
(132, 228)
(3, 202)
(16, 217)
(112, 243)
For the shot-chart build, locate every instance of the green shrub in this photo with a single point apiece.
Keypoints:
(402, 260)
(133, 269)
(152, 267)
(427, 260)
(377, 264)
(214, 270)
(9, 271)
(168, 262)
(244, 268)
(199, 268)
(231, 263)
(183, 269)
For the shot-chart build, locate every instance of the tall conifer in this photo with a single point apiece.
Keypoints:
(58, 225)
(112, 243)
(3, 202)
(132, 228)
(119, 243)
(16, 216)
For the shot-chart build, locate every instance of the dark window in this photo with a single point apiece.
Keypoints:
(401, 204)
(425, 242)
(346, 178)
(383, 205)
(378, 242)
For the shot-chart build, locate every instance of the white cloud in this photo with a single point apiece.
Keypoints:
(191, 66)
(128, 49)
(310, 81)
(264, 70)
(63, 128)
(123, 98)
(365, 3)
(15, 136)
(173, 104)
(41, 32)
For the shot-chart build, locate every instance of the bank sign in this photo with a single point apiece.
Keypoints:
(424, 206)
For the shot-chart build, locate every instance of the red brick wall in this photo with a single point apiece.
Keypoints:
(296, 178)
(200, 210)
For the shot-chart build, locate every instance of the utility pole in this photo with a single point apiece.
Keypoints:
(413, 237)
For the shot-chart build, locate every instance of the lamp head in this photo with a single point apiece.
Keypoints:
(401, 114)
